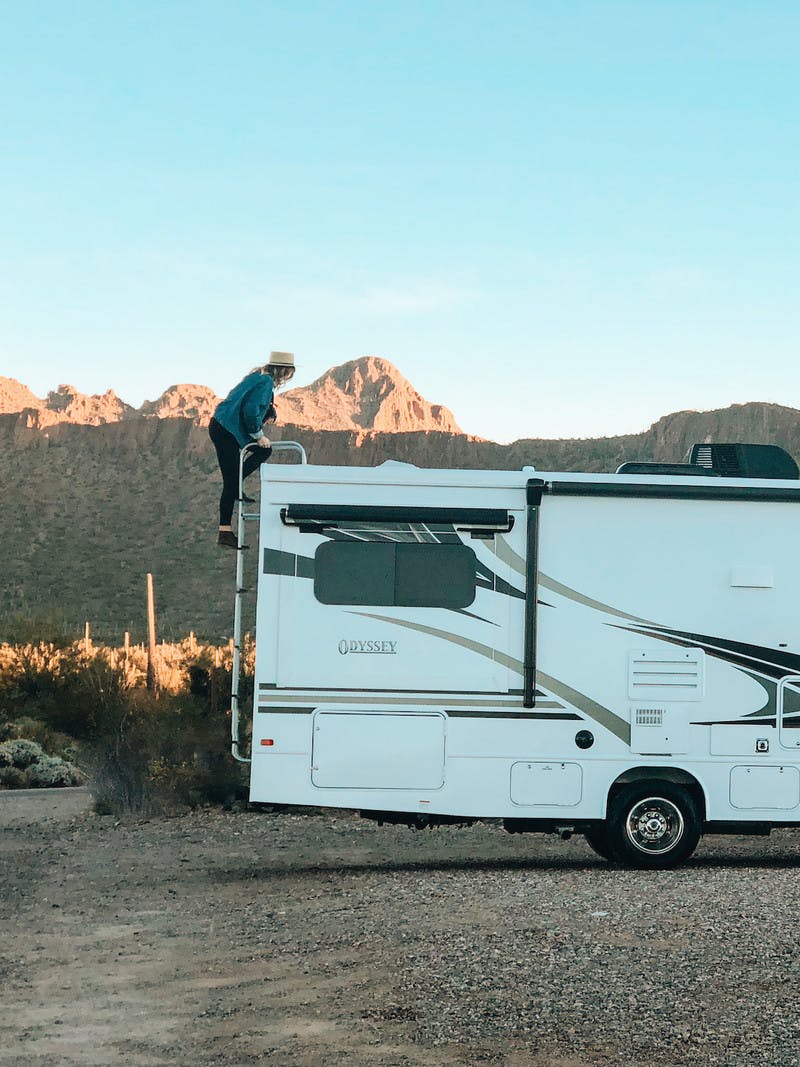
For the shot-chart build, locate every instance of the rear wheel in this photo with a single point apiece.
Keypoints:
(653, 825)
(597, 840)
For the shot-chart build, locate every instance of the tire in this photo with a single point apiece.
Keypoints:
(597, 840)
(652, 825)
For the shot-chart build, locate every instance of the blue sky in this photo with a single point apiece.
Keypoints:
(558, 218)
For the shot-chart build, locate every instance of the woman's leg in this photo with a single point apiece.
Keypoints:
(227, 448)
(255, 457)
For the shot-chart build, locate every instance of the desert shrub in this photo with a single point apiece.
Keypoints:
(58, 686)
(144, 752)
(22, 752)
(189, 762)
(50, 771)
(12, 778)
(24, 763)
(29, 679)
(125, 731)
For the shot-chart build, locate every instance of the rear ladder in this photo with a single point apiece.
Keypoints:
(242, 517)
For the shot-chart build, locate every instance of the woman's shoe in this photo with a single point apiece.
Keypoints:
(227, 539)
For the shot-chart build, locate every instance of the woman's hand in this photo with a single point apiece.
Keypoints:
(263, 442)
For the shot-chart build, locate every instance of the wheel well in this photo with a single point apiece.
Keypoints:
(673, 775)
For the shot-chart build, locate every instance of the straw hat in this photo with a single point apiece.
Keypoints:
(281, 359)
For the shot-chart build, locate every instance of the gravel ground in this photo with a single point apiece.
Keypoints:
(306, 939)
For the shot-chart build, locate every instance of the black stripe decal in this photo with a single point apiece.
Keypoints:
(290, 709)
(286, 709)
(567, 715)
(449, 693)
(287, 563)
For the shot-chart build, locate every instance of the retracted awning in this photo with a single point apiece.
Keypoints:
(311, 518)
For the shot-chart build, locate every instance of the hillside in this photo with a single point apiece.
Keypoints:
(96, 507)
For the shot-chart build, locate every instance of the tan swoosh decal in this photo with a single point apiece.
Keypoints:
(589, 707)
(507, 555)
(579, 598)
(454, 639)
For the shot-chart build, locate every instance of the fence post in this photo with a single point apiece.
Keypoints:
(152, 671)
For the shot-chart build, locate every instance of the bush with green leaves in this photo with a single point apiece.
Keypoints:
(22, 752)
(49, 772)
(25, 764)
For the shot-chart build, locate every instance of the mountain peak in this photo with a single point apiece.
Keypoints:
(183, 402)
(74, 406)
(14, 396)
(368, 393)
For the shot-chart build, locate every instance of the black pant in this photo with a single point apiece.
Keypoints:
(228, 457)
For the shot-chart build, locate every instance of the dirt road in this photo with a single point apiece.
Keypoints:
(219, 938)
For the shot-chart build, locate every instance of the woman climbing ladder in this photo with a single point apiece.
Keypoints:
(239, 421)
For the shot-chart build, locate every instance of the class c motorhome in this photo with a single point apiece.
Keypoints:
(616, 655)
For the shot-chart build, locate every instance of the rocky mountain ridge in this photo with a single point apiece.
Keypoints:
(367, 394)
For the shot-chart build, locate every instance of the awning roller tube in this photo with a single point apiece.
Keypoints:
(318, 516)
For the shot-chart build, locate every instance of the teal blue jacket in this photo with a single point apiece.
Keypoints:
(243, 410)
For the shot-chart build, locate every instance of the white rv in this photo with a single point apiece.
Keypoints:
(614, 655)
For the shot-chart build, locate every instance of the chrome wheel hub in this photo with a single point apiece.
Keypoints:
(654, 825)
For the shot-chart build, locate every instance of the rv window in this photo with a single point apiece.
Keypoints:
(388, 573)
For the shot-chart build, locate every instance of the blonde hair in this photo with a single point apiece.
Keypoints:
(280, 372)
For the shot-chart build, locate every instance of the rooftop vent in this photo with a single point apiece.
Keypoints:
(744, 461)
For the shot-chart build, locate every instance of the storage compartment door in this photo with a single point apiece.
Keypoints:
(765, 788)
(378, 750)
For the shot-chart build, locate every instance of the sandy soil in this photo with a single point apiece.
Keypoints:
(220, 938)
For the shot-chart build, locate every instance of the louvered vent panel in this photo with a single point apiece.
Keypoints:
(702, 456)
(649, 716)
(666, 676)
(722, 458)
